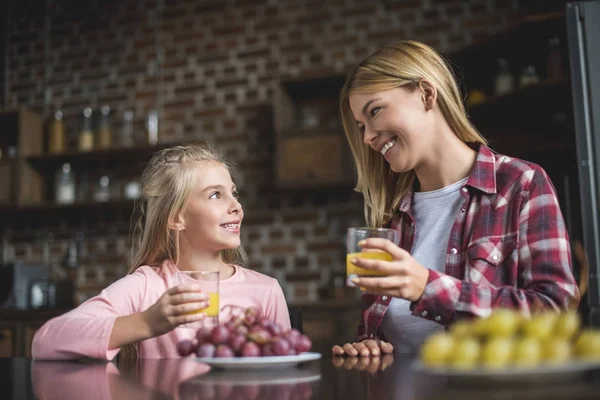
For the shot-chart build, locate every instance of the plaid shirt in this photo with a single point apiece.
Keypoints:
(508, 248)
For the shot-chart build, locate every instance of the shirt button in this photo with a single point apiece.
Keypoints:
(453, 250)
(438, 318)
(424, 313)
(412, 224)
(384, 298)
(464, 189)
(495, 257)
(462, 210)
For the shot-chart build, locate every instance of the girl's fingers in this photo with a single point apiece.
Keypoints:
(350, 350)
(337, 350)
(188, 297)
(188, 308)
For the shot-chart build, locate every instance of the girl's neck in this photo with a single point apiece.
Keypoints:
(450, 161)
(204, 262)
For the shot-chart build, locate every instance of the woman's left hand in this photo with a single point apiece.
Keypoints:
(405, 277)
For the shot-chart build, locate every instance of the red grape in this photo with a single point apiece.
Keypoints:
(264, 322)
(275, 329)
(203, 335)
(223, 351)
(219, 334)
(241, 329)
(250, 349)
(292, 336)
(185, 347)
(281, 347)
(205, 350)
(258, 334)
(236, 342)
(303, 344)
(267, 350)
(292, 352)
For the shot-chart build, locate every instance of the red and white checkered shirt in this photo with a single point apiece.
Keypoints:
(508, 247)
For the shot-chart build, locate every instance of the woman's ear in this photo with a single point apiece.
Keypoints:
(428, 94)
(178, 225)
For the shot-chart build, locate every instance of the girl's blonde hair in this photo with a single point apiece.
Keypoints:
(402, 63)
(167, 182)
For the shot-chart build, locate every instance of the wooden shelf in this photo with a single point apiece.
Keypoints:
(53, 208)
(131, 157)
(526, 100)
(522, 30)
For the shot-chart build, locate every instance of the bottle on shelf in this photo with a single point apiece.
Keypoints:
(104, 131)
(102, 192)
(152, 127)
(554, 61)
(86, 137)
(56, 142)
(65, 185)
(505, 82)
(529, 76)
(127, 138)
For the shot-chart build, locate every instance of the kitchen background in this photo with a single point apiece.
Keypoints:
(90, 89)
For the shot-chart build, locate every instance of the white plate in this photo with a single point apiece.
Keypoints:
(546, 373)
(240, 377)
(258, 362)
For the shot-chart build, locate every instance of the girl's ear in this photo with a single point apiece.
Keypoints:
(178, 225)
(428, 94)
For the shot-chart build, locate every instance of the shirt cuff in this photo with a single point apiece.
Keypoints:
(436, 303)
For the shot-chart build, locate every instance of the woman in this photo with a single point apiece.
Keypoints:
(479, 230)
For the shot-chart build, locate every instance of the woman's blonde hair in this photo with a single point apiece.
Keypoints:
(167, 182)
(403, 63)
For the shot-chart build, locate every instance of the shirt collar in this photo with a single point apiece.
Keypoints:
(482, 176)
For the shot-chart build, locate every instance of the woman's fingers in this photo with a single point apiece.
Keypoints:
(189, 308)
(373, 347)
(188, 297)
(338, 350)
(386, 347)
(350, 350)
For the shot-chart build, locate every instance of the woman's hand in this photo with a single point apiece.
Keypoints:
(405, 277)
(175, 307)
(365, 348)
(369, 364)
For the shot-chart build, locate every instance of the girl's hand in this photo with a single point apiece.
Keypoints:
(366, 348)
(405, 277)
(175, 307)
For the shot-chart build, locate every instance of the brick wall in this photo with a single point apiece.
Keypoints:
(210, 68)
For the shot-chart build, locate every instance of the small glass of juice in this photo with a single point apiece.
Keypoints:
(209, 284)
(355, 235)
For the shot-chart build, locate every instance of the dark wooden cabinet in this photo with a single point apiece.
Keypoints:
(18, 328)
(311, 149)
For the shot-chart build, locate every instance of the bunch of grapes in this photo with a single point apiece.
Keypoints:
(245, 334)
(506, 339)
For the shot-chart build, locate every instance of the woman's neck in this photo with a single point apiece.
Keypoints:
(195, 261)
(449, 161)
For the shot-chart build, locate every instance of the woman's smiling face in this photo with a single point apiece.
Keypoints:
(394, 123)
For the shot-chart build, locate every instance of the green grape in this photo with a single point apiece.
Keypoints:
(567, 324)
(540, 326)
(497, 352)
(503, 322)
(462, 329)
(587, 345)
(436, 349)
(556, 350)
(527, 352)
(465, 354)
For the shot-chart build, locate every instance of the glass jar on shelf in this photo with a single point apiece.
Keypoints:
(86, 136)
(56, 141)
(102, 191)
(505, 82)
(65, 185)
(127, 131)
(104, 131)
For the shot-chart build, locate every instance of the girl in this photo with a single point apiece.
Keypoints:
(479, 230)
(192, 222)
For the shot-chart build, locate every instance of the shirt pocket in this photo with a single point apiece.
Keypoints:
(491, 260)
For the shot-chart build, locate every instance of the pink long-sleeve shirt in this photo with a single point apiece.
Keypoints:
(85, 330)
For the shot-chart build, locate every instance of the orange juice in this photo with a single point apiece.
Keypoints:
(352, 271)
(213, 306)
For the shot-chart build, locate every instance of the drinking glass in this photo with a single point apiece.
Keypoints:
(208, 281)
(354, 236)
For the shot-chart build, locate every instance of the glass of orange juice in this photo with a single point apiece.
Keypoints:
(355, 235)
(209, 284)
